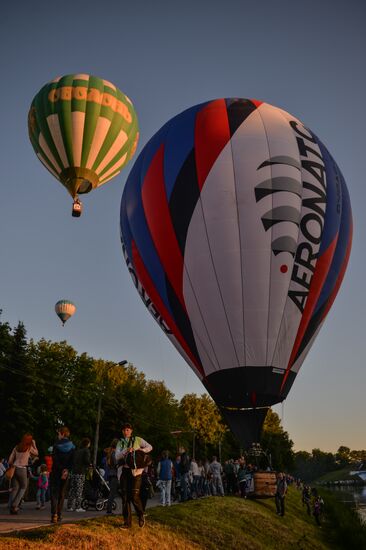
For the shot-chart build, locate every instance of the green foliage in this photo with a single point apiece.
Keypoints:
(276, 443)
(343, 456)
(17, 385)
(311, 466)
(350, 533)
(203, 417)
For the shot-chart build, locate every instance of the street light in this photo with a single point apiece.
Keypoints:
(99, 412)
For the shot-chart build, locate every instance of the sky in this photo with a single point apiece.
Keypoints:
(304, 57)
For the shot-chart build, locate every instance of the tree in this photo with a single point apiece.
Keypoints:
(343, 456)
(276, 442)
(203, 418)
(66, 391)
(303, 465)
(18, 399)
(6, 377)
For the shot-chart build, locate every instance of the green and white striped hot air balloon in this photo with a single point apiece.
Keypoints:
(64, 310)
(83, 129)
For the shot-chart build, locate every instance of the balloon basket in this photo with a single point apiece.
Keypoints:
(264, 485)
(77, 209)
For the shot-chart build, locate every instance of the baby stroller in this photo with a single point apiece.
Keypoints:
(96, 492)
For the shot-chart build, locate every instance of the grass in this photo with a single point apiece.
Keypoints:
(350, 532)
(227, 523)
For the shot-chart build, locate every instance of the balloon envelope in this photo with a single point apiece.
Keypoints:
(64, 310)
(83, 129)
(236, 228)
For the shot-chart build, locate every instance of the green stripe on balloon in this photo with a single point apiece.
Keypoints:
(65, 120)
(91, 119)
(41, 106)
(113, 131)
(118, 124)
(77, 103)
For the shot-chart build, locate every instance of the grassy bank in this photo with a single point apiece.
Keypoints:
(350, 531)
(226, 523)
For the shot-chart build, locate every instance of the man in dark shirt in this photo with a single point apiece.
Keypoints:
(280, 494)
(62, 456)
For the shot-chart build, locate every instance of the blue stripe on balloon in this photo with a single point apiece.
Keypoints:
(341, 247)
(178, 144)
(332, 217)
(150, 149)
(126, 234)
(133, 221)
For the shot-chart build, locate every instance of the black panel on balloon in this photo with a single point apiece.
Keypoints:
(182, 321)
(184, 198)
(245, 425)
(310, 330)
(237, 111)
(243, 387)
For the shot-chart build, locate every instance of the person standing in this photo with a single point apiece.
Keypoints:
(130, 478)
(306, 498)
(184, 467)
(80, 465)
(21, 454)
(242, 479)
(165, 473)
(196, 475)
(215, 469)
(42, 486)
(318, 505)
(280, 494)
(62, 460)
(111, 463)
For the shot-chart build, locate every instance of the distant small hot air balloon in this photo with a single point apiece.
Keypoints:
(64, 310)
(84, 130)
(236, 227)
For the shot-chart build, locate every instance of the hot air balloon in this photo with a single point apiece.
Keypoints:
(64, 310)
(236, 227)
(84, 130)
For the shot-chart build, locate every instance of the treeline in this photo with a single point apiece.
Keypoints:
(310, 466)
(46, 384)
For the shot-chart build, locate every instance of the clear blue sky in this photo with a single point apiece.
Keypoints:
(305, 57)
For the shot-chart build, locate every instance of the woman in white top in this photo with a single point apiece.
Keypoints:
(19, 458)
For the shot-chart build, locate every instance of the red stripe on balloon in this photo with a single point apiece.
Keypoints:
(148, 285)
(334, 292)
(212, 133)
(160, 224)
(256, 102)
(318, 280)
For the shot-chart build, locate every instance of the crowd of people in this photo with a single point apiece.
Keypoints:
(128, 470)
(311, 500)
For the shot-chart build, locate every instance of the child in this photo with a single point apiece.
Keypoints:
(42, 486)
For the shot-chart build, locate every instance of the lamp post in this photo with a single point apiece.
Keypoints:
(99, 412)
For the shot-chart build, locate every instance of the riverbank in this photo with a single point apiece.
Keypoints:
(347, 521)
(340, 477)
(205, 524)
